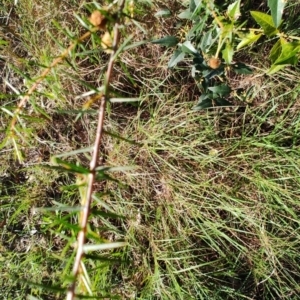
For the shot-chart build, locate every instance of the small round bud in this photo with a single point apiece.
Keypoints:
(214, 62)
(97, 19)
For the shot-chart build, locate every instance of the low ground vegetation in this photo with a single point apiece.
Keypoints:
(210, 209)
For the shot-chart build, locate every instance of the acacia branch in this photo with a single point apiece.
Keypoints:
(81, 238)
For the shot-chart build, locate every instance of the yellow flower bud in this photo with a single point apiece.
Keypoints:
(106, 42)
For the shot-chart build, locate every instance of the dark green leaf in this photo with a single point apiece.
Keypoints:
(187, 47)
(209, 74)
(198, 60)
(221, 90)
(204, 103)
(203, 85)
(101, 213)
(103, 176)
(168, 41)
(65, 166)
(117, 136)
(104, 258)
(206, 41)
(54, 288)
(177, 57)
(222, 102)
(240, 68)
(193, 5)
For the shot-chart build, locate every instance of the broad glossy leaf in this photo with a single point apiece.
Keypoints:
(177, 57)
(168, 41)
(265, 21)
(276, 7)
(249, 39)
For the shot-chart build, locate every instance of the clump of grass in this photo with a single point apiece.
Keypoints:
(211, 216)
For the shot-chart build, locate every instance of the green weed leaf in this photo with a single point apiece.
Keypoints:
(288, 54)
(249, 39)
(177, 57)
(265, 21)
(187, 47)
(221, 90)
(193, 5)
(206, 101)
(227, 53)
(63, 165)
(276, 50)
(209, 74)
(206, 41)
(186, 14)
(276, 7)
(227, 31)
(3, 42)
(275, 68)
(168, 41)
(233, 10)
(240, 68)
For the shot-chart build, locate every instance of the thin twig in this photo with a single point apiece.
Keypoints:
(94, 163)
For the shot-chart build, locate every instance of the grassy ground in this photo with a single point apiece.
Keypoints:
(211, 210)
